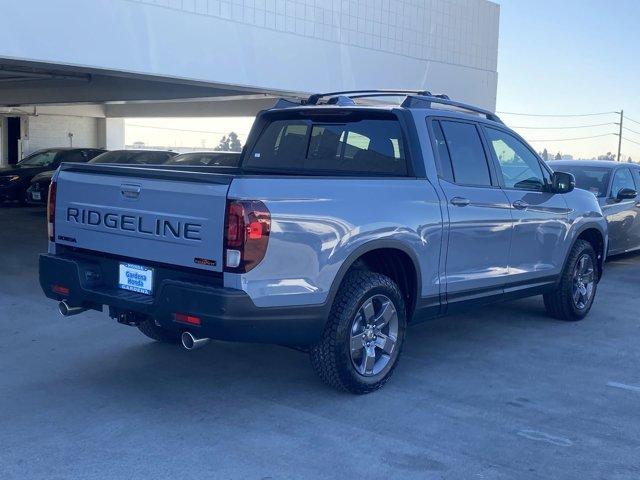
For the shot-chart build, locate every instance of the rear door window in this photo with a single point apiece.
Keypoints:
(443, 160)
(468, 159)
(330, 144)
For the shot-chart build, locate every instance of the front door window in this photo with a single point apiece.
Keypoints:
(520, 168)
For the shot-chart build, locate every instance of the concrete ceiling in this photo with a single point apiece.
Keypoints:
(124, 94)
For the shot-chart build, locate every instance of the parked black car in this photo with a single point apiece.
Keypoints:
(39, 188)
(37, 192)
(16, 179)
(135, 157)
(206, 159)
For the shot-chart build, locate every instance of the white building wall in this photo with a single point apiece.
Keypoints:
(49, 131)
(447, 46)
(463, 32)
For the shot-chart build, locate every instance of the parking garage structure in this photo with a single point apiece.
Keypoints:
(223, 58)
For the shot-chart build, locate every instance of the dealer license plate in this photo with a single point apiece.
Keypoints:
(136, 278)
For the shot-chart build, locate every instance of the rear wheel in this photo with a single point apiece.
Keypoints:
(362, 341)
(149, 328)
(574, 296)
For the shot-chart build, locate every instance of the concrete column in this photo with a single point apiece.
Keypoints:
(111, 133)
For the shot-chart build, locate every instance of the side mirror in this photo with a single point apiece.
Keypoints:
(562, 182)
(626, 194)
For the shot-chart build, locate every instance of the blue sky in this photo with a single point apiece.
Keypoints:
(571, 56)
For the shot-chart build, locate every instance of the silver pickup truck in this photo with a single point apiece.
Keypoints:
(350, 216)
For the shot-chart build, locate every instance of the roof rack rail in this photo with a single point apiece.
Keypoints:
(415, 99)
(425, 101)
(314, 99)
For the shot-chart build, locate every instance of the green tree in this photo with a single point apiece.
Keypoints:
(223, 146)
(229, 143)
(234, 142)
(608, 156)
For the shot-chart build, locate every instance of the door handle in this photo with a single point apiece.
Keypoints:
(460, 202)
(638, 204)
(520, 205)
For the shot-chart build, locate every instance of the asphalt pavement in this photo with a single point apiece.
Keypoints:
(502, 392)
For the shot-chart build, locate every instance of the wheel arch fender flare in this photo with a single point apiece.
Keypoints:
(361, 250)
(577, 234)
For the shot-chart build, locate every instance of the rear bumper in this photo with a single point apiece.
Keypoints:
(43, 192)
(226, 313)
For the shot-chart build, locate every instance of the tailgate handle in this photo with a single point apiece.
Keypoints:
(131, 192)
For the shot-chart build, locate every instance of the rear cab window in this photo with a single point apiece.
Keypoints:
(344, 143)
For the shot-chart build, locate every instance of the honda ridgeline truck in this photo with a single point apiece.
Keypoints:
(346, 220)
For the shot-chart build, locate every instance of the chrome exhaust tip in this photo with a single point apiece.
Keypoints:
(191, 342)
(67, 310)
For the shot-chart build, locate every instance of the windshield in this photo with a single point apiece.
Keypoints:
(593, 179)
(348, 144)
(206, 159)
(133, 157)
(40, 159)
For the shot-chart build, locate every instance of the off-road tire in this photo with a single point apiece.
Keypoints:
(331, 356)
(559, 303)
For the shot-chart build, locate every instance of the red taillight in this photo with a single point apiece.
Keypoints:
(51, 211)
(190, 319)
(255, 230)
(60, 289)
(247, 229)
(235, 225)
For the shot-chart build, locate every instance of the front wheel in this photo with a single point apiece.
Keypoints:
(574, 296)
(362, 341)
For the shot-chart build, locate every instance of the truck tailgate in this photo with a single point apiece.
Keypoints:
(143, 213)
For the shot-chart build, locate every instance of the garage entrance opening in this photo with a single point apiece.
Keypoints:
(13, 140)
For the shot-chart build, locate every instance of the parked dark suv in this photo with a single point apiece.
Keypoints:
(15, 179)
